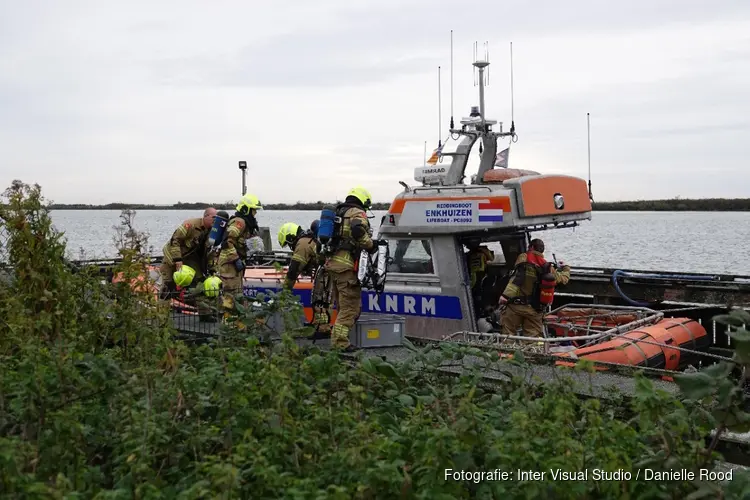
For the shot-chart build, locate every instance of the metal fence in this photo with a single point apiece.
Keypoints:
(4, 241)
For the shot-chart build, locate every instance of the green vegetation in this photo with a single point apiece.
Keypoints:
(98, 400)
(677, 205)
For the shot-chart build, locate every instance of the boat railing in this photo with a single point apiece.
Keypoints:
(461, 187)
(551, 340)
(647, 317)
(674, 275)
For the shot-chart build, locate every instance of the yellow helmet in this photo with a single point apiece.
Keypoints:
(287, 233)
(247, 203)
(184, 276)
(211, 286)
(362, 195)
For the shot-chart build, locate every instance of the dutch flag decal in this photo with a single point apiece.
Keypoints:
(490, 211)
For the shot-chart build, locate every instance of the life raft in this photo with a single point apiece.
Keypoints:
(578, 322)
(650, 347)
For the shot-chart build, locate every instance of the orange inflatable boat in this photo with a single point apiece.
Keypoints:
(577, 322)
(649, 347)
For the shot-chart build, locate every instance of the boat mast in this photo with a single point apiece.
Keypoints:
(473, 128)
(481, 64)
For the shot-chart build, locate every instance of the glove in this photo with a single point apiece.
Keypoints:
(239, 265)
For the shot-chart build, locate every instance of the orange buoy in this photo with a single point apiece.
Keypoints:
(638, 347)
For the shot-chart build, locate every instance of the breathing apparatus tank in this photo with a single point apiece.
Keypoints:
(326, 227)
(547, 284)
(372, 269)
(218, 228)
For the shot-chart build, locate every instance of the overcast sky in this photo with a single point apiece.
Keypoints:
(155, 102)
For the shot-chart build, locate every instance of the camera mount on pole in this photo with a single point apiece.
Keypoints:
(243, 167)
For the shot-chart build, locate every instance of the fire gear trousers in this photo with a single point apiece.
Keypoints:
(524, 316)
(347, 293)
(231, 279)
(321, 306)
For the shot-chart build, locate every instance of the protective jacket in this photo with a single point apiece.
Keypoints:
(304, 260)
(188, 241)
(234, 245)
(529, 267)
(478, 259)
(354, 236)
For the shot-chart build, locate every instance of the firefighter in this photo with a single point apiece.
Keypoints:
(186, 247)
(521, 295)
(306, 252)
(231, 263)
(477, 259)
(305, 260)
(351, 236)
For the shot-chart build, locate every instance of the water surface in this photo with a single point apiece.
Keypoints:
(713, 242)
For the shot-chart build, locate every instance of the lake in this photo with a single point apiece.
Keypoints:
(712, 242)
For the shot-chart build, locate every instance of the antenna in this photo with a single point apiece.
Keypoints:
(487, 58)
(451, 79)
(512, 106)
(475, 68)
(424, 158)
(588, 127)
(440, 109)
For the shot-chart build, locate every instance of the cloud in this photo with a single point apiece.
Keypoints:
(156, 103)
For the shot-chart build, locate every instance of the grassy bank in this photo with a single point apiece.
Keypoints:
(97, 400)
(673, 205)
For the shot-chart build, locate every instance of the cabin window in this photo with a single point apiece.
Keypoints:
(411, 257)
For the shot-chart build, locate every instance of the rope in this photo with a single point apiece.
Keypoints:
(684, 349)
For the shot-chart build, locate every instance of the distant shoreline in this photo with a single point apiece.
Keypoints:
(673, 205)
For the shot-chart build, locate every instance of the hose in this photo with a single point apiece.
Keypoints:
(618, 273)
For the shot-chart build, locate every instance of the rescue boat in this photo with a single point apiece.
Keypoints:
(422, 274)
(428, 228)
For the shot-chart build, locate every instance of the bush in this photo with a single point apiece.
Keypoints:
(97, 400)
